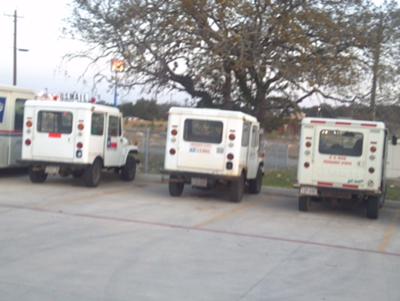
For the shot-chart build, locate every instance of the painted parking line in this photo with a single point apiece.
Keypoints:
(204, 230)
(390, 231)
(226, 214)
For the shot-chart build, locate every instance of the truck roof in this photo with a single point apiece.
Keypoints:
(211, 113)
(51, 104)
(343, 122)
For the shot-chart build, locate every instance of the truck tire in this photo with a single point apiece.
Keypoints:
(175, 186)
(128, 171)
(304, 203)
(372, 207)
(37, 176)
(92, 174)
(256, 184)
(236, 189)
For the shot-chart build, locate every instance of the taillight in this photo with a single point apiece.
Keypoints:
(81, 126)
(308, 144)
(371, 170)
(79, 145)
(172, 151)
(174, 132)
(230, 156)
(29, 124)
(306, 165)
(28, 142)
(232, 137)
(373, 149)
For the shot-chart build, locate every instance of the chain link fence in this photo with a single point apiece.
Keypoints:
(151, 143)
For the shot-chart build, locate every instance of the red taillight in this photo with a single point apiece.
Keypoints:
(174, 132)
(308, 144)
(172, 151)
(232, 137)
(79, 145)
(28, 142)
(371, 170)
(230, 156)
(373, 149)
(81, 126)
(29, 124)
(306, 165)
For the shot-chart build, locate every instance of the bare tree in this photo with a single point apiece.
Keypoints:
(263, 57)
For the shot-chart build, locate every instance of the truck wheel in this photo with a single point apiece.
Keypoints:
(304, 203)
(372, 207)
(236, 189)
(92, 174)
(175, 186)
(37, 175)
(128, 171)
(256, 184)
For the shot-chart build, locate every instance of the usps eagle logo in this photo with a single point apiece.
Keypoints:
(1, 107)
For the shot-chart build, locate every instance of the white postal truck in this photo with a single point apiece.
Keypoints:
(343, 160)
(12, 100)
(206, 146)
(75, 138)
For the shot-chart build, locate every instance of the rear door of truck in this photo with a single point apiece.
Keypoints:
(340, 155)
(201, 147)
(54, 134)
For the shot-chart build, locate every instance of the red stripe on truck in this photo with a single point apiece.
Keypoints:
(350, 186)
(369, 125)
(325, 184)
(54, 135)
(318, 121)
(342, 123)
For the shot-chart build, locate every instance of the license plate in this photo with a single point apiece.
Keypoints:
(199, 182)
(309, 191)
(52, 170)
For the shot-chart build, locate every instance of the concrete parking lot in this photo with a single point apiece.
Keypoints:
(131, 241)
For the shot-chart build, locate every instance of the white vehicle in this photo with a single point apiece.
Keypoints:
(75, 138)
(342, 160)
(12, 101)
(206, 146)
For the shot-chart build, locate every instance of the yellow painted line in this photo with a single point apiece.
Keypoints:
(225, 215)
(389, 233)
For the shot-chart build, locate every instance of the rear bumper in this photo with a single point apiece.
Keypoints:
(186, 176)
(51, 163)
(336, 192)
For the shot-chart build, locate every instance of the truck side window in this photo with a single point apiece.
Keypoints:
(255, 136)
(54, 122)
(246, 134)
(120, 127)
(113, 126)
(97, 127)
(19, 114)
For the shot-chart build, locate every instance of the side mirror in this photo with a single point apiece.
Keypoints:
(394, 140)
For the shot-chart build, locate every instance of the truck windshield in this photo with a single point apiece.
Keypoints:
(343, 143)
(207, 131)
(55, 122)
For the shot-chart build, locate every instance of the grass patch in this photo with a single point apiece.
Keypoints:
(280, 178)
(393, 192)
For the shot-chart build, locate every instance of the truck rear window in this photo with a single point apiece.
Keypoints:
(343, 143)
(207, 131)
(54, 122)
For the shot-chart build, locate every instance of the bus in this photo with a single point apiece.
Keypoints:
(12, 100)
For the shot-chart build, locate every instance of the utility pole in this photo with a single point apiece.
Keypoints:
(15, 49)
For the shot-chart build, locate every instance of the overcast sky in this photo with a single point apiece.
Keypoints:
(40, 31)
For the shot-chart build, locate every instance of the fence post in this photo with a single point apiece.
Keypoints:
(146, 150)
